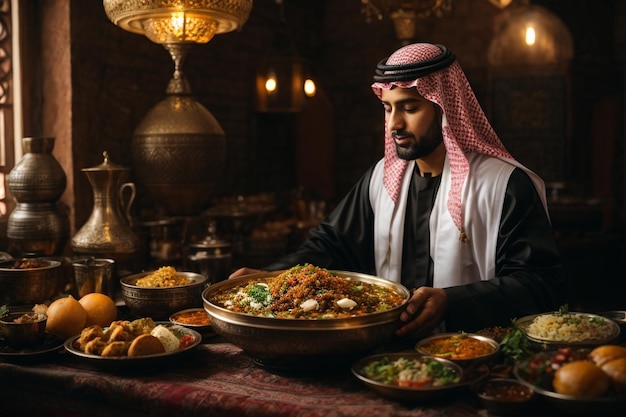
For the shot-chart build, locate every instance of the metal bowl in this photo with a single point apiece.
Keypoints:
(550, 344)
(24, 333)
(303, 345)
(402, 393)
(24, 286)
(160, 302)
(505, 396)
(467, 359)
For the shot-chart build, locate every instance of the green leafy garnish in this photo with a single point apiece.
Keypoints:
(4, 310)
(515, 345)
(259, 293)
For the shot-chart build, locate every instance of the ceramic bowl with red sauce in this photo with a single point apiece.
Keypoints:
(504, 396)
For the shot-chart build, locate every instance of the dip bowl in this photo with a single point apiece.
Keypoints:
(294, 345)
(22, 329)
(159, 303)
(504, 396)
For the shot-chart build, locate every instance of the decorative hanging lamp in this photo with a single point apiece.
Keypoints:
(179, 148)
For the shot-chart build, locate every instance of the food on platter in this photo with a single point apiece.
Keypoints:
(581, 378)
(616, 370)
(308, 292)
(411, 372)
(570, 327)
(166, 276)
(597, 373)
(146, 344)
(612, 360)
(458, 346)
(129, 338)
(163, 334)
(606, 353)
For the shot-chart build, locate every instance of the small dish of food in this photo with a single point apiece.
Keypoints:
(22, 329)
(408, 376)
(504, 396)
(197, 319)
(462, 348)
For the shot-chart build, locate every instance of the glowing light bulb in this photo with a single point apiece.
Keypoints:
(178, 21)
(271, 84)
(309, 87)
(530, 36)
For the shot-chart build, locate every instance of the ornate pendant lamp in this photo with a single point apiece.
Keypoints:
(179, 148)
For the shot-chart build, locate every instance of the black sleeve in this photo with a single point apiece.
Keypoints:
(342, 241)
(529, 273)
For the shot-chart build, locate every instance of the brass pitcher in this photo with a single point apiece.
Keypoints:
(108, 231)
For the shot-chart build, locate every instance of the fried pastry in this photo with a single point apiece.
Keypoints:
(145, 344)
(95, 346)
(88, 334)
(116, 349)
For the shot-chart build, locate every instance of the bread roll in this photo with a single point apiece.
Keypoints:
(581, 379)
(605, 353)
(146, 344)
(616, 370)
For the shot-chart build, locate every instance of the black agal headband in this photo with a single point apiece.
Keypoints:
(407, 72)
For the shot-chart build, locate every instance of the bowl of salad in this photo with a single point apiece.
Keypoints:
(409, 376)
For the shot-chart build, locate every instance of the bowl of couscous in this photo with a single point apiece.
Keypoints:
(158, 294)
(557, 329)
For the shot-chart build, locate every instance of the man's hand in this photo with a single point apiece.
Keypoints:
(244, 271)
(424, 312)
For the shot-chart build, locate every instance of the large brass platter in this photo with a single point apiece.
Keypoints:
(285, 344)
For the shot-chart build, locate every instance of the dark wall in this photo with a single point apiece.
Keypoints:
(118, 76)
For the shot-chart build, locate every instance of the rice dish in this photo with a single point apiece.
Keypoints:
(308, 292)
(165, 276)
(570, 328)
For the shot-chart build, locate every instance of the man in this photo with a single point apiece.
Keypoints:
(447, 211)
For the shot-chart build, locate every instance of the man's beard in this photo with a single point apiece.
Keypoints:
(422, 146)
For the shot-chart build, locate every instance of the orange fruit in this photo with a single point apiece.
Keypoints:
(100, 308)
(66, 317)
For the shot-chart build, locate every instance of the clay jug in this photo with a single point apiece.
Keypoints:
(108, 232)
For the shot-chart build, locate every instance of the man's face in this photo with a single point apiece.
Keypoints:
(412, 121)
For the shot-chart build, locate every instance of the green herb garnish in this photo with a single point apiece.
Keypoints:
(515, 345)
(259, 293)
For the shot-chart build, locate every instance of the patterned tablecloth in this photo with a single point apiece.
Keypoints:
(214, 379)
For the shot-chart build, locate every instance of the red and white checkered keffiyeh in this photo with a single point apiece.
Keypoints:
(467, 128)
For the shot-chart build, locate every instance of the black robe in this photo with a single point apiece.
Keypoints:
(529, 273)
